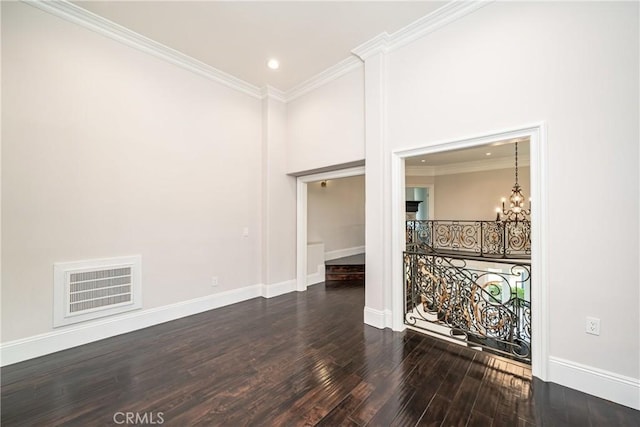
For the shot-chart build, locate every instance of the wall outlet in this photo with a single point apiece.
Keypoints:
(593, 326)
(214, 282)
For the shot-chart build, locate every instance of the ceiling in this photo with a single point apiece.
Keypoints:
(238, 37)
(498, 150)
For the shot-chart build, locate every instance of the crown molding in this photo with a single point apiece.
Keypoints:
(324, 77)
(72, 13)
(384, 43)
(465, 167)
(381, 43)
(273, 93)
(375, 45)
(437, 19)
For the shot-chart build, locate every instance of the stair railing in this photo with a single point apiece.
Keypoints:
(447, 289)
(490, 239)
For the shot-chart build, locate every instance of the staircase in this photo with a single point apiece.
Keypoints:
(444, 296)
(347, 271)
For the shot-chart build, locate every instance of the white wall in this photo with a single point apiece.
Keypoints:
(476, 195)
(315, 257)
(575, 66)
(335, 213)
(325, 127)
(108, 151)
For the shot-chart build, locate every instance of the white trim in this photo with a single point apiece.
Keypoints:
(301, 234)
(539, 218)
(598, 382)
(464, 167)
(341, 253)
(384, 42)
(398, 240)
(301, 217)
(276, 289)
(375, 318)
(274, 93)
(76, 14)
(388, 321)
(437, 335)
(373, 46)
(330, 74)
(440, 17)
(380, 43)
(73, 336)
(317, 277)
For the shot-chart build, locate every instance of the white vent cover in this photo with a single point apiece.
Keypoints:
(85, 290)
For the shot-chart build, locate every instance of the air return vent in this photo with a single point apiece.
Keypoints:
(85, 290)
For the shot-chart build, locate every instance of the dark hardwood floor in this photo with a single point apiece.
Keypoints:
(298, 359)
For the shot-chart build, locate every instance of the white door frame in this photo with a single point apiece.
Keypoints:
(539, 228)
(301, 216)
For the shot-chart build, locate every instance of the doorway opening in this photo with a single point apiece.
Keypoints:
(537, 288)
(316, 252)
(468, 266)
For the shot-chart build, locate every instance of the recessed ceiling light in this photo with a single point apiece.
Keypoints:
(273, 64)
(423, 160)
(487, 154)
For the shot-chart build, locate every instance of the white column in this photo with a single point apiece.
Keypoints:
(278, 198)
(377, 311)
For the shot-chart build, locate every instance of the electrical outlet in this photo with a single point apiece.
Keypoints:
(245, 232)
(214, 281)
(593, 326)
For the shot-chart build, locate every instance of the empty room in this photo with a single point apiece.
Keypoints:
(320, 213)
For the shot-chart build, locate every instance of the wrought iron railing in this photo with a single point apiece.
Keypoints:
(487, 239)
(486, 308)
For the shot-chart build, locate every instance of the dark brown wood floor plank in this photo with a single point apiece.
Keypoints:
(391, 394)
(601, 411)
(462, 404)
(478, 419)
(434, 365)
(492, 390)
(435, 412)
(504, 414)
(458, 364)
(301, 358)
(339, 415)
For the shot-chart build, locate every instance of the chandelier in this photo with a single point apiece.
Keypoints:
(516, 211)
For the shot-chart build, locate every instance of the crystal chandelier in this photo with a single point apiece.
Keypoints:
(516, 211)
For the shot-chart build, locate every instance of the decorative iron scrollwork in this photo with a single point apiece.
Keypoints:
(446, 291)
(491, 239)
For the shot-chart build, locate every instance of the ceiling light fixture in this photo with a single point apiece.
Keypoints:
(516, 211)
(273, 64)
(423, 160)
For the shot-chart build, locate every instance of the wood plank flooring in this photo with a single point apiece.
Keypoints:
(298, 359)
(346, 271)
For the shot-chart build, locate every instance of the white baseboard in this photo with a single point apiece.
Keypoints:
(388, 319)
(79, 334)
(375, 318)
(597, 382)
(316, 277)
(341, 253)
(275, 289)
